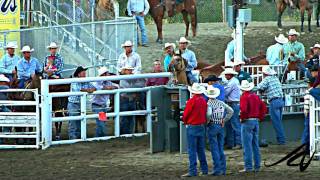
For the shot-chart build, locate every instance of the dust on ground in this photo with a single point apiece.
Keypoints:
(212, 40)
(129, 158)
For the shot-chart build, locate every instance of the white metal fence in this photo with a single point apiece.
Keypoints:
(255, 71)
(14, 124)
(314, 127)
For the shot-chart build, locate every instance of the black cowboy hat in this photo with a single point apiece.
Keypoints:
(212, 78)
(78, 70)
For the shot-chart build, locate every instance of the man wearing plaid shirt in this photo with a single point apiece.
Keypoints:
(272, 87)
(74, 102)
(57, 61)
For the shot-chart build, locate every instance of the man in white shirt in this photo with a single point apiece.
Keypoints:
(129, 58)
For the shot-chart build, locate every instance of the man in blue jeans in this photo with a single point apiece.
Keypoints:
(273, 89)
(99, 101)
(139, 9)
(194, 117)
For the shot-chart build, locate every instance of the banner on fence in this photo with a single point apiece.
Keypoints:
(9, 20)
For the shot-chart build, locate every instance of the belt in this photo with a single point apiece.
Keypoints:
(275, 98)
(191, 125)
(252, 119)
(233, 102)
(96, 104)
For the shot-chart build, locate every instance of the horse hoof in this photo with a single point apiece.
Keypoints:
(302, 32)
(159, 41)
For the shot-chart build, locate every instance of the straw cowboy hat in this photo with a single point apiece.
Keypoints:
(52, 45)
(184, 40)
(166, 45)
(246, 86)
(11, 45)
(212, 92)
(268, 71)
(27, 49)
(127, 44)
(229, 71)
(293, 32)
(236, 63)
(315, 46)
(196, 88)
(281, 39)
(3, 78)
(102, 70)
(127, 67)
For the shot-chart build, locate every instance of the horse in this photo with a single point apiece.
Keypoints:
(104, 10)
(178, 67)
(186, 7)
(302, 5)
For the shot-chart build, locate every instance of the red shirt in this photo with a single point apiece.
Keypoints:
(195, 111)
(251, 106)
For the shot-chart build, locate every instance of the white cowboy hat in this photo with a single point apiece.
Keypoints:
(281, 39)
(27, 49)
(316, 46)
(196, 88)
(293, 32)
(52, 45)
(166, 45)
(127, 67)
(246, 86)
(212, 92)
(127, 44)
(236, 63)
(229, 71)
(11, 45)
(184, 40)
(268, 71)
(102, 70)
(3, 78)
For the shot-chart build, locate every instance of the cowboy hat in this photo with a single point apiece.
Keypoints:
(293, 32)
(127, 44)
(184, 40)
(78, 70)
(52, 45)
(268, 71)
(11, 45)
(196, 88)
(166, 45)
(281, 39)
(229, 71)
(3, 78)
(212, 92)
(316, 46)
(246, 86)
(236, 63)
(27, 49)
(212, 78)
(102, 70)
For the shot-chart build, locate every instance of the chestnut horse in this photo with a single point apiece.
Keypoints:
(186, 7)
(178, 67)
(302, 5)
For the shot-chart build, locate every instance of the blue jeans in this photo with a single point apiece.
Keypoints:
(74, 127)
(215, 134)
(101, 129)
(233, 127)
(302, 68)
(306, 134)
(196, 147)
(191, 78)
(315, 92)
(4, 129)
(275, 110)
(140, 22)
(250, 142)
(22, 83)
(127, 122)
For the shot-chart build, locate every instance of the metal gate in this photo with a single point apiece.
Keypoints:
(314, 127)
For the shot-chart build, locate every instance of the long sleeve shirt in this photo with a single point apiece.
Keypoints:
(132, 60)
(221, 96)
(232, 90)
(77, 87)
(294, 47)
(8, 64)
(244, 76)
(272, 87)
(251, 106)
(195, 111)
(275, 54)
(166, 62)
(138, 6)
(218, 111)
(191, 59)
(229, 52)
(58, 62)
(28, 68)
(102, 99)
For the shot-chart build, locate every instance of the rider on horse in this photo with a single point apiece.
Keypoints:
(53, 63)
(190, 56)
(275, 53)
(229, 52)
(9, 62)
(27, 67)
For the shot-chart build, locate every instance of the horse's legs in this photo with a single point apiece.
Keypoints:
(157, 17)
(317, 13)
(309, 19)
(280, 7)
(194, 24)
(302, 18)
(186, 21)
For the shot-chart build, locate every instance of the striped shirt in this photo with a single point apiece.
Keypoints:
(216, 111)
(272, 87)
(77, 87)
